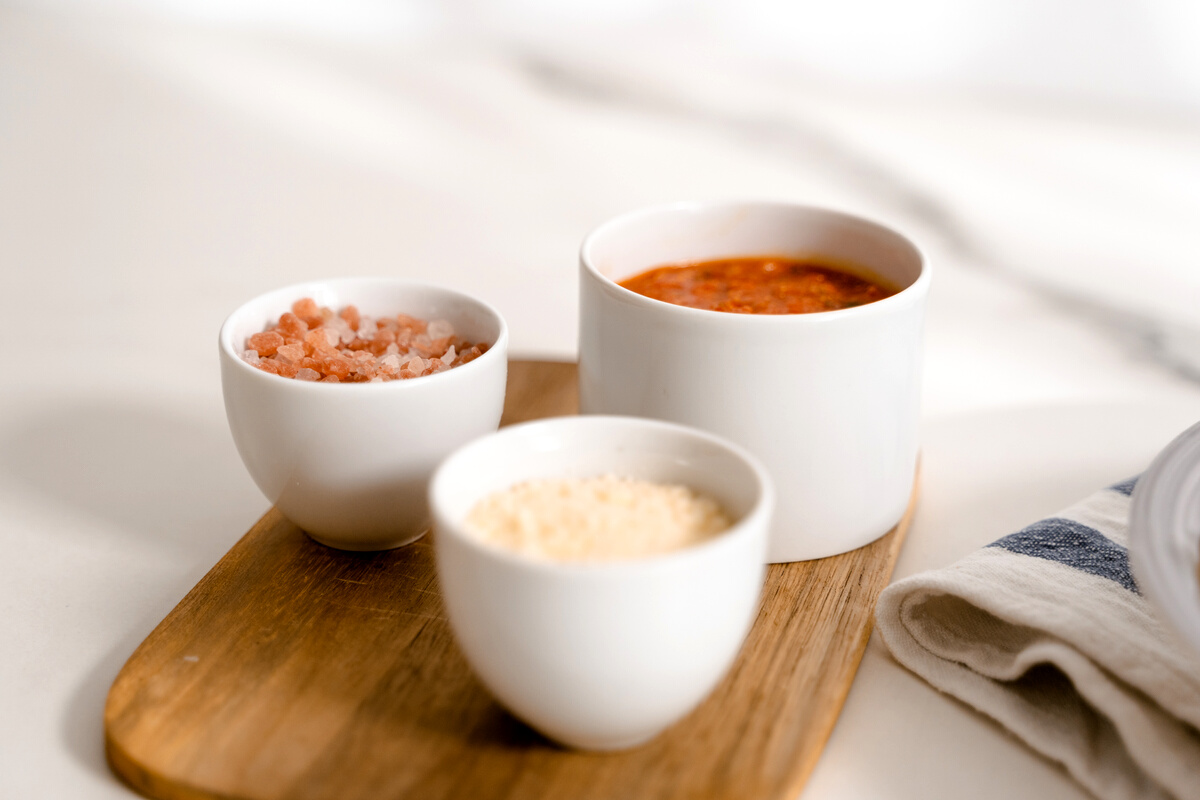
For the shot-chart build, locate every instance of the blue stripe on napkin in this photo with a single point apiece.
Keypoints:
(1075, 545)
(1125, 487)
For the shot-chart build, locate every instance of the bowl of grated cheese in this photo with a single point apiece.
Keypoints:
(601, 573)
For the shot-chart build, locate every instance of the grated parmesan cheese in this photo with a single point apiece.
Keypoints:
(595, 519)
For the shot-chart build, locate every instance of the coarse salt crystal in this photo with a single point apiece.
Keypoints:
(307, 309)
(306, 374)
(414, 367)
(341, 330)
(350, 315)
(251, 358)
(411, 323)
(292, 326)
(290, 353)
(318, 339)
(439, 329)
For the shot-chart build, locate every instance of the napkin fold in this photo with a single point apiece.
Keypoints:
(1046, 632)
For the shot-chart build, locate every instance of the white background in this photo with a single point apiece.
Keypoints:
(162, 162)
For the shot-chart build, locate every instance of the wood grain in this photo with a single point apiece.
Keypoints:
(296, 671)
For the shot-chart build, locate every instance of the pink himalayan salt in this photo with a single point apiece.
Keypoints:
(265, 343)
(290, 353)
(312, 343)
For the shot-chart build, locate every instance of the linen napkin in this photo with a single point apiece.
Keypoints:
(1046, 632)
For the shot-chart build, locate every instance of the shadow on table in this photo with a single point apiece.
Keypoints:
(151, 478)
(82, 723)
(146, 473)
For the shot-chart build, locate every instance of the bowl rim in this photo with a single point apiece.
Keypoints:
(228, 353)
(909, 294)
(755, 522)
(1163, 554)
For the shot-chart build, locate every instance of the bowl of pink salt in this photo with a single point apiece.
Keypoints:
(343, 396)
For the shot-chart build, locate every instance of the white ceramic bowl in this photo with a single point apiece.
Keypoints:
(350, 463)
(829, 401)
(602, 656)
(1164, 535)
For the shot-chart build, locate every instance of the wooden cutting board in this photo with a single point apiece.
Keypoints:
(296, 671)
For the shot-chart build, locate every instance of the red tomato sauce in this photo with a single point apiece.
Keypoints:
(758, 285)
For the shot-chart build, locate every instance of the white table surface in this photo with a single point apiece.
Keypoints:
(153, 176)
